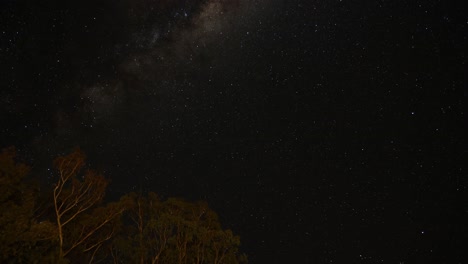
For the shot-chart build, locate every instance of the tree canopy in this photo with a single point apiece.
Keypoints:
(74, 224)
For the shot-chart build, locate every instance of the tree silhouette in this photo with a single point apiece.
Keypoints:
(23, 238)
(174, 231)
(74, 197)
(76, 226)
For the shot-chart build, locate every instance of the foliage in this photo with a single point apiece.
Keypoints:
(74, 199)
(174, 231)
(23, 238)
(80, 228)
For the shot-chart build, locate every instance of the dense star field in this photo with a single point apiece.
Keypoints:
(319, 131)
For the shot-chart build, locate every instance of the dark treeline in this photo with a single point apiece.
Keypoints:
(71, 223)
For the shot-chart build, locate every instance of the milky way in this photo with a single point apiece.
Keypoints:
(156, 51)
(320, 131)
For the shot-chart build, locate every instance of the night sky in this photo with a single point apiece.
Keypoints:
(320, 131)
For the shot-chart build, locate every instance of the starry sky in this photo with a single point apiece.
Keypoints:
(325, 131)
